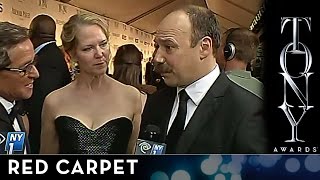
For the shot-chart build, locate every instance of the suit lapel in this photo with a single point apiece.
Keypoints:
(22, 128)
(167, 100)
(4, 115)
(205, 112)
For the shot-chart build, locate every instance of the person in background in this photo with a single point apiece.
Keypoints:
(237, 50)
(202, 112)
(53, 72)
(127, 68)
(66, 58)
(149, 75)
(153, 78)
(94, 114)
(17, 74)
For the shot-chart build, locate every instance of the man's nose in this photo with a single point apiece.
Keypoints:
(158, 58)
(34, 73)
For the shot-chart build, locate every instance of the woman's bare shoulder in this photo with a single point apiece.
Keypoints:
(58, 95)
(127, 91)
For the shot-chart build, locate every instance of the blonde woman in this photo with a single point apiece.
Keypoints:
(94, 114)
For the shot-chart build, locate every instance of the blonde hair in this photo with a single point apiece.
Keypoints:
(70, 29)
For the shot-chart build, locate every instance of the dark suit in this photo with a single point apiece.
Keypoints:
(229, 119)
(54, 74)
(6, 126)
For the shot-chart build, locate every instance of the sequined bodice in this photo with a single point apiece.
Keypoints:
(110, 138)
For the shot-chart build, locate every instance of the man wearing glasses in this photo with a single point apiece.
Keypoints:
(17, 74)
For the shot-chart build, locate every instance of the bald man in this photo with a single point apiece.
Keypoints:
(202, 112)
(52, 68)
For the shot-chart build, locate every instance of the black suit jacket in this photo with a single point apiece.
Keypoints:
(6, 126)
(54, 74)
(229, 119)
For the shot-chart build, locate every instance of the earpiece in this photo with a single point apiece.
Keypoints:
(229, 48)
(229, 51)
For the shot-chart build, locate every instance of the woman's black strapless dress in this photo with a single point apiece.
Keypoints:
(110, 138)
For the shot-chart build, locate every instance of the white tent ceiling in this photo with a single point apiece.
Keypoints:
(146, 14)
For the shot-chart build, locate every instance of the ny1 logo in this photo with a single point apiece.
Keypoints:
(15, 142)
(295, 48)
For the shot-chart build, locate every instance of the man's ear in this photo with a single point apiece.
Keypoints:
(205, 47)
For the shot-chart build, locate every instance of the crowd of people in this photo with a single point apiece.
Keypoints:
(198, 89)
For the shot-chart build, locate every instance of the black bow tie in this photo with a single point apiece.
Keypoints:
(16, 110)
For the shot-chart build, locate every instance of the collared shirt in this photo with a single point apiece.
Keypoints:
(244, 79)
(42, 46)
(8, 106)
(196, 91)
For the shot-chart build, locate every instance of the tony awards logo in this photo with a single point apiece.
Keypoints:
(295, 48)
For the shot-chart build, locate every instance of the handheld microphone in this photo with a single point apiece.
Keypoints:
(149, 142)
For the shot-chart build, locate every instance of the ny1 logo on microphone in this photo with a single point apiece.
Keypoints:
(295, 63)
(14, 142)
(149, 147)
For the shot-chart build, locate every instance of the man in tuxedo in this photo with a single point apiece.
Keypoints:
(203, 111)
(17, 74)
(53, 71)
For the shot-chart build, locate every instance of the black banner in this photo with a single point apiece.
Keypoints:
(163, 167)
(292, 76)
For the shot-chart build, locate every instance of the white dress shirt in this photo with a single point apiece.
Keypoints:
(8, 106)
(196, 91)
(42, 46)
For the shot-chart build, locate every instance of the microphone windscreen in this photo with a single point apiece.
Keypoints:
(149, 143)
(151, 133)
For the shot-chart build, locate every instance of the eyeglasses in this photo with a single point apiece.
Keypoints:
(23, 70)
